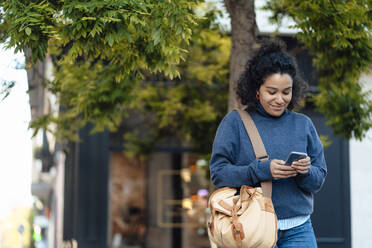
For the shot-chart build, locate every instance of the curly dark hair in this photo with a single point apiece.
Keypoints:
(269, 59)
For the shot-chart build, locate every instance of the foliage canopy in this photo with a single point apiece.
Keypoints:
(113, 57)
(104, 49)
(338, 34)
(101, 50)
(189, 108)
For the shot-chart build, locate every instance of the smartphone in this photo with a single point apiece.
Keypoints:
(294, 156)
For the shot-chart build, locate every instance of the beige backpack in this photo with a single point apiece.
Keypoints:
(246, 220)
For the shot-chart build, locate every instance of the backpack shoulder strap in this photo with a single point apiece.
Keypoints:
(258, 146)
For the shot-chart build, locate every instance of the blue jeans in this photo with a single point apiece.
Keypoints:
(297, 237)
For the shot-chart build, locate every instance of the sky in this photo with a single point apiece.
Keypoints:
(262, 19)
(15, 138)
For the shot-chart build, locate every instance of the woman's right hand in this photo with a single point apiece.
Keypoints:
(280, 170)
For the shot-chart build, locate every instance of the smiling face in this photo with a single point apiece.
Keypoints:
(275, 93)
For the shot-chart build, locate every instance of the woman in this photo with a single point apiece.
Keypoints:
(271, 87)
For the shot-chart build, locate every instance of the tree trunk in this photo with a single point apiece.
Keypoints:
(243, 41)
(36, 77)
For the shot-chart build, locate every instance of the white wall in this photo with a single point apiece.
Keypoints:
(361, 185)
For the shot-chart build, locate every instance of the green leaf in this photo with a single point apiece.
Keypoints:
(28, 31)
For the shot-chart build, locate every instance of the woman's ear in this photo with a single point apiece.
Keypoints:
(257, 95)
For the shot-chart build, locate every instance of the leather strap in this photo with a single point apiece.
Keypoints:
(236, 227)
(258, 146)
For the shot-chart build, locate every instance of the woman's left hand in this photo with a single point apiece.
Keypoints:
(302, 166)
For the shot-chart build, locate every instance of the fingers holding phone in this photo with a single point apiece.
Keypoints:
(279, 170)
(302, 166)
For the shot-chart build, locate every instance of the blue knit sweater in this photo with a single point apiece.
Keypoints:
(233, 162)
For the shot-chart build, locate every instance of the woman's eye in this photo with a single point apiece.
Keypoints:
(286, 92)
(272, 92)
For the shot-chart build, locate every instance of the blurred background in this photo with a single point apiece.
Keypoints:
(145, 183)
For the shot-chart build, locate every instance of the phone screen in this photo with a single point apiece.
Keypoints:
(294, 156)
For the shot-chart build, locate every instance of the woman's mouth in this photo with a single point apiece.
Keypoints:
(277, 108)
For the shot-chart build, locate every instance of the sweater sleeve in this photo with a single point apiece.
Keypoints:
(224, 170)
(313, 180)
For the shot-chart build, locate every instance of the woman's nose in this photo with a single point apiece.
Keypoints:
(280, 99)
